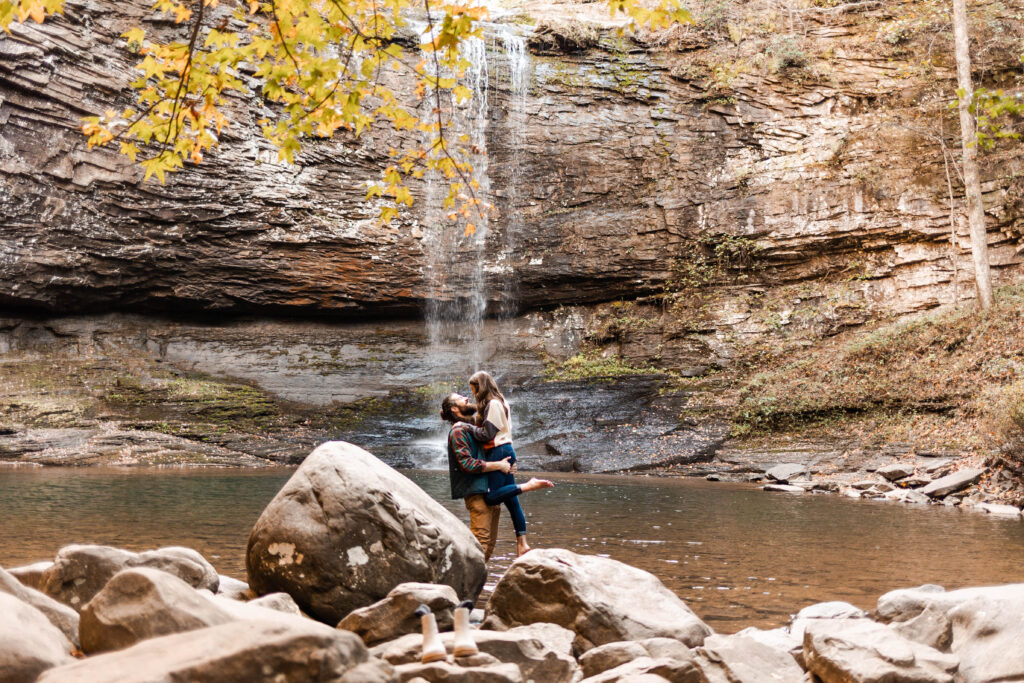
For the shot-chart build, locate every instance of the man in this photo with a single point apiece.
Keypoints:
(467, 470)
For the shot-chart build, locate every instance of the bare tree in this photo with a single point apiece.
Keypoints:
(968, 139)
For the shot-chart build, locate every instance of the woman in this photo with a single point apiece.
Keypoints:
(493, 430)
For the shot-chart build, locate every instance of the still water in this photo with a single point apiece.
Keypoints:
(738, 556)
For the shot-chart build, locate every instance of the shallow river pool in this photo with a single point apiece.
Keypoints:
(738, 556)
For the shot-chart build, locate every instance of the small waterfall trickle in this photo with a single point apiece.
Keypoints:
(455, 275)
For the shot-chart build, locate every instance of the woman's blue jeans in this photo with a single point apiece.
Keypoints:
(502, 489)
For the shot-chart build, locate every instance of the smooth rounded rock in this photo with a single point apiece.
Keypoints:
(287, 651)
(138, 604)
(600, 599)
(29, 643)
(61, 616)
(79, 572)
(395, 615)
(346, 529)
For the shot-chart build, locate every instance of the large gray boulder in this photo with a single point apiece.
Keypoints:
(600, 599)
(540, 651)
(395, 615)
(346, 529)
(29, 643)
(61, 616)
(864, 651)
(286, 651)
(143, 603)
(79, 572)
(986, 625)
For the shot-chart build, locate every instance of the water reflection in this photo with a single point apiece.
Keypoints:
(738, 556)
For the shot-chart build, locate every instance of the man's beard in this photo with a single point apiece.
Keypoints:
(468, 411)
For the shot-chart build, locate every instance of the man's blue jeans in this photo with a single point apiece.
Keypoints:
(502, 489)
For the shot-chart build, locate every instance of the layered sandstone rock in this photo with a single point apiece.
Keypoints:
(620, 155)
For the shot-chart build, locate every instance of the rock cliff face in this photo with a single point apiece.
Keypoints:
(620, 159)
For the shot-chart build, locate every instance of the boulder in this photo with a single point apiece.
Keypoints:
(61, 616)
(777, 639)
(395, 615)
(822, 610)
(931, 627)
(29, 643)
(279, 602)
(986, 625)
(742, 659)
(540, 654)
(346, 529)
(143, 603)
(453, 672)
(612, 655)
(961, 479)
(31, 574)
(785, 472)
(284, 651)
(864, 651)
(79, 572)
(234, 589)
(896, 471)
(650, 670)
(600, 599)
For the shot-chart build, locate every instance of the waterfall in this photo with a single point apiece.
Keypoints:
(455, 275)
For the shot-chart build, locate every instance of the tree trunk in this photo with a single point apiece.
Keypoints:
(968, 140)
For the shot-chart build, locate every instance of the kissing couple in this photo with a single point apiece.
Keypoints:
(482, 463)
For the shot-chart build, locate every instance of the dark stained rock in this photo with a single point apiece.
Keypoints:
(346, 529)
(395, 615)
(142, 603)
(61, 616)
(286, 651)
(29, 643)
(601, 600)
(81, 571)
(896, 471)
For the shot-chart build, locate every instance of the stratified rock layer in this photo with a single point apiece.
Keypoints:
(609, 168)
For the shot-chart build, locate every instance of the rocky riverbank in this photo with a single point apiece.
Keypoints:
(554, 616)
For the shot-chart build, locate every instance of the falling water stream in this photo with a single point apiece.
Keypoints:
(459, 260)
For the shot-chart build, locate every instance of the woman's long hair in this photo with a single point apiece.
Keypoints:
(485, 389)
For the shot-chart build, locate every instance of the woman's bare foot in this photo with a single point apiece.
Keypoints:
(522, 547)
(535, 484)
